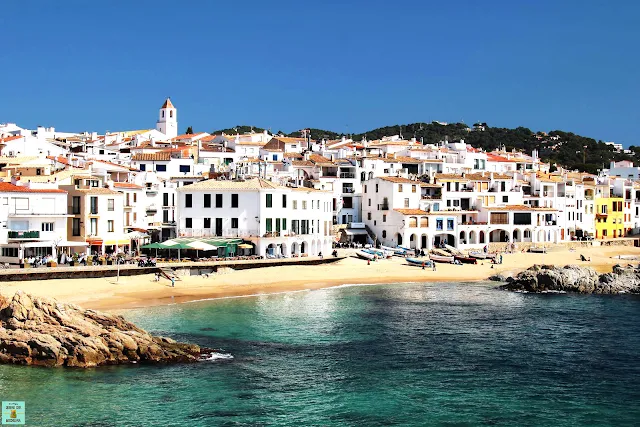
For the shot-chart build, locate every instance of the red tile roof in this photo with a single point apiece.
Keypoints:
(9, 138)
(162, 156)
(6, 187)
(127, 185)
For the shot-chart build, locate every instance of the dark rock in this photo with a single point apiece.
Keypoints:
(497, 278)
(38, 331)
(572, 278)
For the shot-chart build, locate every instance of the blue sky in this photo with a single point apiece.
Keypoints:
(347, 66)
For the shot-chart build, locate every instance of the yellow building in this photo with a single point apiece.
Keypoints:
(609, 217)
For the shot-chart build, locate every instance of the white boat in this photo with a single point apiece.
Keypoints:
(366, 255)
(481, 255)
(396, 251)
(538, 250)
(380, 253)
(440, 258)
(418, 262)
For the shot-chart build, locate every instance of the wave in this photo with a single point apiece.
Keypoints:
(246, 296)
(215, 356)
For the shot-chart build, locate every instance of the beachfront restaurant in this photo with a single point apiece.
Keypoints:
(200, 247)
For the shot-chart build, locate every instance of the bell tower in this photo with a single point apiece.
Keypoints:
(168, 120)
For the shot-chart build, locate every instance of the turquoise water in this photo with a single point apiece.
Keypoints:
(408, 354)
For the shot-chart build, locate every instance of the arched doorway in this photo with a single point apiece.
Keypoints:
(481, 241)
(413, 241)
(295, 248)
(399, 239)
(498, 235)
(472, 237)
(517, 235)
(284, 250)
(313, 247)
(304, 248)
(463, 238)
(424, 242)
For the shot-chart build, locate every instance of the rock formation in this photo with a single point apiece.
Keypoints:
(573, 278)
(38, 331)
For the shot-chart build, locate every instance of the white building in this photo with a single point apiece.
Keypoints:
(168, 120)
(34, 222)
(276, 220)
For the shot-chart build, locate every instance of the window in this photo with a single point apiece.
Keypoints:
(207, 200)
(269, 200)
(347, 203)
(384, 234)
(135, 197)
(304, 204)
(188, 222)
(75, 205)
(406, 203)
(47, 226)
(604, 233)
(207, 223)
(284, 200)
(234, 222)
(413, 188)
(110, 205)
(234, 200)
(269, 225)
(110, 226)
(369, 216)
(94, 205)
(384, 218)
(295, 204)
(365, 188)
(218, 200)
(450, 224)
(93, 224)
(603, 209)
(399, 188)
(522, 219)
(185, 168)
(376, 188)
(10, 252)
(143, 167)
(161, 168)
(499, 218)
(188, 200)
(75, 226)
(439, 223)
(369, 202)
(505, 199)
(165, 199)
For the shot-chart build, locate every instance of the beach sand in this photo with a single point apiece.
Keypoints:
(142, 291)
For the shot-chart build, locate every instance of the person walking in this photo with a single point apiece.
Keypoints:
(173, 282)
(434, 265)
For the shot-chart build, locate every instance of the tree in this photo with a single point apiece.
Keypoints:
(189, 131)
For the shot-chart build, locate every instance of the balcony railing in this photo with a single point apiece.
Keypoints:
(35, 234)
(32, 213)
(348, 190)
(347, 175)
(152, 208)
(383, 207)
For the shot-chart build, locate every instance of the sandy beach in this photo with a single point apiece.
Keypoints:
(141, 291)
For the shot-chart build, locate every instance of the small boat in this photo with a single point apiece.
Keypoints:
(396, 251)
(481, 255)
(465, 259)
(441, 258)
(538, 250)
(453, 250)
(380, 253)
(418, 262)
(366, 255)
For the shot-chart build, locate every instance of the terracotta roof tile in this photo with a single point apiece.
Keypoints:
(7, 187)
(212, 184)
(129, 185)
(398, 180)
(161, 156)
(411, 211)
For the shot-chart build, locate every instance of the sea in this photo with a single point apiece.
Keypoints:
(407, 354)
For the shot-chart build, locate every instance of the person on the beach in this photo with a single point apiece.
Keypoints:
(173, 282)
(434, 266)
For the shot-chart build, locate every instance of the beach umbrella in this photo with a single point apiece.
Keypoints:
(155, 246)
(201, 246)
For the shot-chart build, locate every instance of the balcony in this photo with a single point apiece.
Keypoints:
(151, 209)
(23, 234)
(348, 175)
(383, 207)
(348, 190)
(151, 191)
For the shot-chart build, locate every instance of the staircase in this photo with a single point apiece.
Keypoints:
(169, 273)
(372, 238)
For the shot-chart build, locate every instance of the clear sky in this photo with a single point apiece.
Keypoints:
(347, 66)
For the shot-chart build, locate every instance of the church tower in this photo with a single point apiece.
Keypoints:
(168, 120)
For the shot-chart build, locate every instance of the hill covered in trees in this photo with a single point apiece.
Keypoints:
(563, 148)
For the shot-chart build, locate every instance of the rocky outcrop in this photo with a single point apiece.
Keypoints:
(38, 331)
(573, 278)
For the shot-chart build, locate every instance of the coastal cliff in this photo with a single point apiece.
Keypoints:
(39, 331)
(573, 278)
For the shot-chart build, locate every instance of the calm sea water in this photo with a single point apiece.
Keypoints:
(406, 354)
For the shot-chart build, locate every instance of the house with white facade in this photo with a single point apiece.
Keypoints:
(276, 220)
